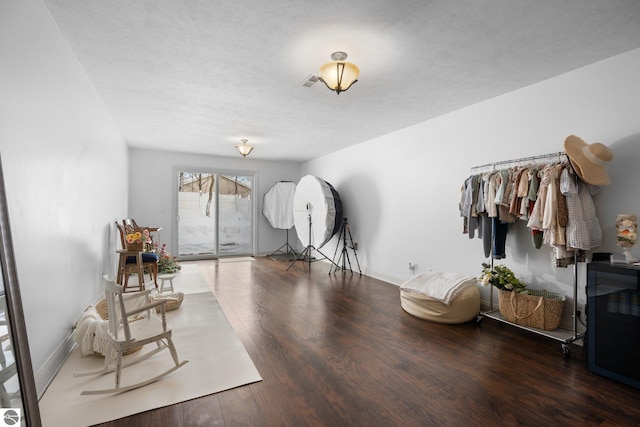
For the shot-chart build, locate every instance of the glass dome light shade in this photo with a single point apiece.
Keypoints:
(339, 75)
(244, 148)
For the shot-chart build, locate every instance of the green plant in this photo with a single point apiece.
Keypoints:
(166, 262)
(501, 277)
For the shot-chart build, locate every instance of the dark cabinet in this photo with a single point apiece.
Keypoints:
(613, 319)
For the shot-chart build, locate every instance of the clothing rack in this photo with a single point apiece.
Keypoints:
(559, 157)
(565, 337)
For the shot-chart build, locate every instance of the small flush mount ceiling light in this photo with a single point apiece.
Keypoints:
(244, 148)
(339, 75)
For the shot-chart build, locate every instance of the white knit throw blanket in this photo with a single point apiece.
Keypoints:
(92, 332)
(89, 333)
(441, 286)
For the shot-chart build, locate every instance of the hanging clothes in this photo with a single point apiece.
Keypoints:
(551, 223)
(467, 206)
(534, 181)
(504, 196)
(523, 195)
(535, 220)
(464, 206)
(556, 206)
(532, 195)
(554, 219)
(493, 183)
(473, 210)
(500, 230)
(519, 191)
(485, 224)
(583, 229)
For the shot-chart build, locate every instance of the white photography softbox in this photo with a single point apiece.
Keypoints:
(278, 205)
(277, 208)
(317, 214)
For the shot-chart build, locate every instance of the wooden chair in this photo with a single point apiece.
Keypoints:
(130, 222)
(123, 334)
(135, 261)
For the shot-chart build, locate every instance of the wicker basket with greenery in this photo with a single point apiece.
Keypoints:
(538, 309)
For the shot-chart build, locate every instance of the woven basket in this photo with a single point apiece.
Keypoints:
(174, 301)
(135, 246)
(539, 309)
(101, 308)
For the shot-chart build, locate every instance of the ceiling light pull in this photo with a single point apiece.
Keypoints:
(244, 148)
(339, 75)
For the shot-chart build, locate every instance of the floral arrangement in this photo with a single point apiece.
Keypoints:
(626, 230)
(501, 277)
(135, 237)
(138, 237)
(166, 262)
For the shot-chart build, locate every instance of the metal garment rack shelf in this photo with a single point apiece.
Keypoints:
(532, 160)
(565, 337)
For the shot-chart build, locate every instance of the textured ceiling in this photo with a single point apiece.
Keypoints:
(199, 75)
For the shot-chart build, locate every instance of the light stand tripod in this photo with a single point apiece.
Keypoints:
(347, 243)
(305, 255)
(287, 246)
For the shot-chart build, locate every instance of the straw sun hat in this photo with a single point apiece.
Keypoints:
(589, 160)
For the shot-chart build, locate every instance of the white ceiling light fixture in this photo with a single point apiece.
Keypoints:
(339, 75)
(244, 148)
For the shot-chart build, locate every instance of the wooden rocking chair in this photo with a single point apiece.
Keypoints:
(123, 334)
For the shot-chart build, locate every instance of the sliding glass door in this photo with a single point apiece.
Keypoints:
(235, 228)
(215, 214)
(197, 219)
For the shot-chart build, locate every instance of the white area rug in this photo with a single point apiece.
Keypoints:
(188, 280)
(202, 334)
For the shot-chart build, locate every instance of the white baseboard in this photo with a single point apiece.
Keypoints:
(52, 365)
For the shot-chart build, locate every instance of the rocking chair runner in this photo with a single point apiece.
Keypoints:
(123, 334)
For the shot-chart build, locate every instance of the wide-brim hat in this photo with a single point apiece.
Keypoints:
(589, 160)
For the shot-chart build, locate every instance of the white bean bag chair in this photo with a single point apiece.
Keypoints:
(441, 297)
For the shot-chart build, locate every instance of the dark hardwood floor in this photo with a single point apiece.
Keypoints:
(338, 350)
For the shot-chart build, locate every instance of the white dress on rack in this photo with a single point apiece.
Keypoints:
(583, 229)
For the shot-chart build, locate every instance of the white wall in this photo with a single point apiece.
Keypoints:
(65, 171)
(401, 191)
(152, 188)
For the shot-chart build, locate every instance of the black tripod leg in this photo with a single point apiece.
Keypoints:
(340, 236)
(325, 257)
(355, 253)
(344, 254)
(279, 249)
(300, 256)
